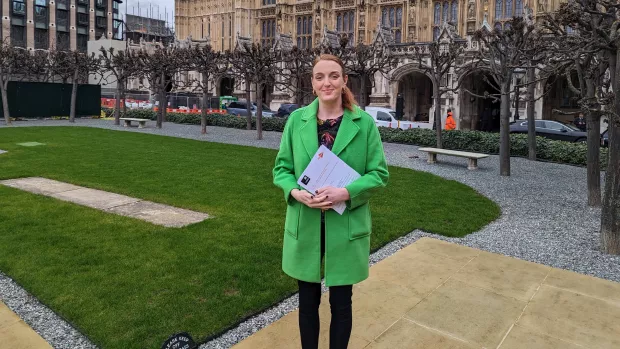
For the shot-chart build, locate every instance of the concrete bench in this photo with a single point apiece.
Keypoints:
(472, 157)
(141, 122)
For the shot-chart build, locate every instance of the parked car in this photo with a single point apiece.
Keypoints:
(286, 109)
(605, 139)
(386, 117)
(552, 130)
(239, 108)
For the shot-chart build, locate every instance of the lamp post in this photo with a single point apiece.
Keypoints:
(518, 73)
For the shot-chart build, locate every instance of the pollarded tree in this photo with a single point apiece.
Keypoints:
(297, 73)
(502, 51)
(159, 66)
(120, 66)
(74, 67)
(11, 67)
(210, 64)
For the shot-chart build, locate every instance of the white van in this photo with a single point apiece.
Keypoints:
(386, 117)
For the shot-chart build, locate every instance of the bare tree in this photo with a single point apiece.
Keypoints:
(159, 67)
(298, 69)
(210, 64)
(11, 67)
(436, 60)
(257, 65)
(76, 67)
(121, 66)
(502, 52)
(365, 62)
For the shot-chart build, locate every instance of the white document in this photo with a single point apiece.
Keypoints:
(327, 170)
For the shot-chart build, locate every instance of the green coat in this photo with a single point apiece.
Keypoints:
(347, 236)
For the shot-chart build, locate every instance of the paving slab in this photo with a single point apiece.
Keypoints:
(30, 144)
(16, 334)
(165, 215)
(574, 317)
(152, 212)
(3, 151)
(39, 185)
(94, 198)
(434, 294)
(521, 337)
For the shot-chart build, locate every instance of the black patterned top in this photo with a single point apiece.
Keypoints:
(328, 129)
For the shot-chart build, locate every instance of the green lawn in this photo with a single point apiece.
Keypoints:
(126, 283)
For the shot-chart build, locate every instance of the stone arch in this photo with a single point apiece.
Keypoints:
(476, 113)
(417, 89)
(225, 86)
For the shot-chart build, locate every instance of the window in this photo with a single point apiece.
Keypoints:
(81, 9)
(345, 25)
(82, 18)
(446, 11)
(507, 9)
(18, 36)
(40, 14)
(41, 39)
(62, 20)
(538, 124)
(100, 3)
(268, 32)
(101, 22)
(62, 41)
(61, 4)
(392, 18)
(556, 126)
(304, 32)
(382, 116)
(82, 42)
(19, 7)
(269, 2)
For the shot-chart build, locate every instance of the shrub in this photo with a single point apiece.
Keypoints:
(488, 143)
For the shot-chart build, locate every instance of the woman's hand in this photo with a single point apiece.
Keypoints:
(334, 195)
(310, 200)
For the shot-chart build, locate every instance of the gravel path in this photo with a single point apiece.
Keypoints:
(545, 217)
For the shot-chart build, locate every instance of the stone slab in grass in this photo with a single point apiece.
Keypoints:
(30, 144)
(39, 185)
(155, 213)
(3, 151)
(99, 199)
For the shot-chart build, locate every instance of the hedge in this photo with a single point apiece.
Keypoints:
(474, 141)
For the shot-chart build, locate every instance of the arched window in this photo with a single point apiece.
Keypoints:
(399, 16)
(507, 26)
(446, 12)
(298, 25)
(519, 8)
(435, 33)
(498, 26)
(304, 31)
(437, 18)
(339, 22)
(455, 10)
(392, 24)
(508, 12)
(384, 18)
(345, 24)
(499, 5)
(394, 20)
(397, 36)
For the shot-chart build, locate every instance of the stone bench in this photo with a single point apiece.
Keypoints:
(141, 122)
(472, 157)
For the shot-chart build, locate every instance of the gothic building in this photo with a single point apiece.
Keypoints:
(402, 24)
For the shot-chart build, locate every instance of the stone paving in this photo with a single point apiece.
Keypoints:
(155, 213)
(435, 294)
(16, 334)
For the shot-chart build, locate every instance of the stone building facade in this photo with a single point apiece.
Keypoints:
(408, 23)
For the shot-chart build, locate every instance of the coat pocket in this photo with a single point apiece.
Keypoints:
(359, 222)
(291, 224)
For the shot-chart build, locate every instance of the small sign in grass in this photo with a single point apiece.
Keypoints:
(30, 144)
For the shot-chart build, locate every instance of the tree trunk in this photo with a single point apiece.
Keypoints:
(504, 129)
(203, 112)
(531, 123)
(117, 104)
(299, 93)
(363, 92)
(73, 96)
(610, 215)
(437, 100)
(593, 121)
(259, 111)
(124, 93)
(5, 102)
(248, 98)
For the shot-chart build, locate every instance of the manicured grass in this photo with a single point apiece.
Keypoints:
(126, 283)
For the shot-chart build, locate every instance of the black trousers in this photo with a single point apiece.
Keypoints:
(340, 303)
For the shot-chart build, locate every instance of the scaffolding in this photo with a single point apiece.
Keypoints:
(148, 29)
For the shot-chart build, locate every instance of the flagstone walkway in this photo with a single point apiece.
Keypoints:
(435, 294)
(16, 334)
(155, 213)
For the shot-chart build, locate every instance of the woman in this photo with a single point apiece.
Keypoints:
(312, 230)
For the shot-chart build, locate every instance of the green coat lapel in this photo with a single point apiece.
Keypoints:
(308, 130)
(347, 131)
